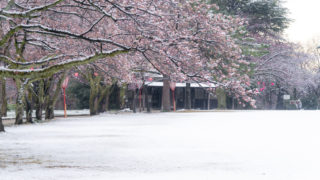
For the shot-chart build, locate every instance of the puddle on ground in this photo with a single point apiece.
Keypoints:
(16, 157)
(18, 160)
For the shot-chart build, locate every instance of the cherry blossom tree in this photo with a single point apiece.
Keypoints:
(182, 40)
(280, 71)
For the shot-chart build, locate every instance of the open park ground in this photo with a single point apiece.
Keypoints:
(231, 145)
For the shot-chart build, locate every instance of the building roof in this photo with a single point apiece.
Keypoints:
(160, 84)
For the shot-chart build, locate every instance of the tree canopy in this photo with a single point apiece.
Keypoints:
(263, 16)
(171, 37)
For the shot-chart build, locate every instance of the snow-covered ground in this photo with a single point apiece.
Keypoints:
(248, 145)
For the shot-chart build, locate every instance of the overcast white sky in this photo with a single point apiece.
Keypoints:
(306, 16)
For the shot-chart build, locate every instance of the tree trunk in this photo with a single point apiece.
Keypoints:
(40, 100)
(96, 105)
(50, 104)
(51, 101)
(140, 99)
(39, 112)
(19, 111)
(134, 103)
(93, 98)
(4, 104)
(123, 90)
(116, 93)
(107, 103)
(143, 98)
(49, 112)
(102, 106)
(92, 101)
(188, 96)
(94, 92)
(103, 100)
(1, 124)
(28, 101)
(19, 102)
(147, 100)
(233, 102)
(222, 98)
(166, 94)
(280, 101)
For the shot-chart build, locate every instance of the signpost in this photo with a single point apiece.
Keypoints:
(286, 97)
(64, 86)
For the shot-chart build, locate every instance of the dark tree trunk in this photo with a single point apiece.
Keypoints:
(116, 93)
(92, 102)
(1, 124)
(102, 106)
(103, 100)
(39, 111)
(123, 90)
(4, 104)
(134, 101)
(95, 89)
(49, 112)
(222, 98)
(233, 102)
(147, 100)
(107, 103)
(39, 100)
(188, 96)
(140, 95)
(143, 98)
(96, 105)
(19, 102)
(51, 100)
(166, 94)
(19, 112)
(93, 98)
(28, 109)
(280, 101)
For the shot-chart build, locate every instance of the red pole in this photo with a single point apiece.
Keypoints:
(65, 104)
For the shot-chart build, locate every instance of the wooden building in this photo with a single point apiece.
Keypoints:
(200, 98)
